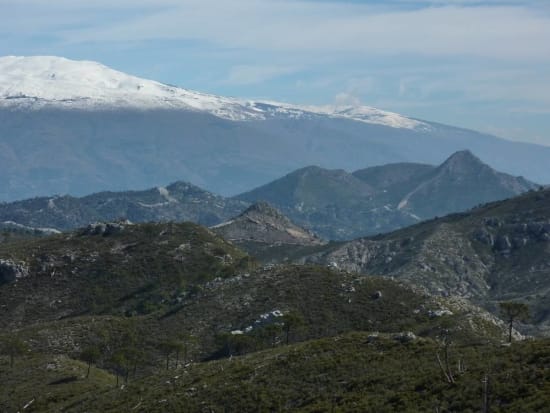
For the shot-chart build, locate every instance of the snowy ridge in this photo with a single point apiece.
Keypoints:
(48, 231)
(47, 81)
(369, 114)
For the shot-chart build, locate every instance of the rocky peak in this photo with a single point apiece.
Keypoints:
(263, 223)
(106, 228)
(263, 209)
(11, 271)
(462, 161)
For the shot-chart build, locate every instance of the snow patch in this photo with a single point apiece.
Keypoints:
(403, 204)
(223, 224)
(25, 227)
(48, 81)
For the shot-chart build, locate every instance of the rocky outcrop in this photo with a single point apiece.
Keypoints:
(263, 223)
(11, 271)
(506, 236)
(105, 228)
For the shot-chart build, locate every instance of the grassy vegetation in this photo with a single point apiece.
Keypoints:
(48, 383)
(355, 372)
(10, 233)
(139, 270)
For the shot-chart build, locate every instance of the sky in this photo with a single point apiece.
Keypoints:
(483, 65)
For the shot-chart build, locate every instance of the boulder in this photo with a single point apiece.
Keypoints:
(377, 295)
(404, 337)
(10, 271)
(485, 237)
(503, 244)
(105, 229)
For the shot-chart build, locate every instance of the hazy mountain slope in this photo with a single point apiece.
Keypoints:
(179, 201)
(500, 251)
(340, 205)
(394, 181)
(313, 185)
(333, 203)
(461, 182)
(80, 127)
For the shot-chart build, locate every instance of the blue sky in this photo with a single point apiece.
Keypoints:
(478, 64)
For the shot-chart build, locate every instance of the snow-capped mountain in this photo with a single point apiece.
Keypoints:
(73, 127)
(49, 81)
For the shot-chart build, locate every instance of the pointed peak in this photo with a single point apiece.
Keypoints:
(462, 159)
(184, 186)
(261, 222)
(316, 170)
(464, 155)
(263, 208)
(308, 169)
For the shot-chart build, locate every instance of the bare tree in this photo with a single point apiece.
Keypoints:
(90, 355)
(513, 311)
(13, 347)
(291, 322)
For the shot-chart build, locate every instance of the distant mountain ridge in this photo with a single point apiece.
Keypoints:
(179, 201)
(75, 128)
(340, 205)
(335, 204)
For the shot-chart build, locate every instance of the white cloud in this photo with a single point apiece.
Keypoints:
(346, 99)
(487, 31)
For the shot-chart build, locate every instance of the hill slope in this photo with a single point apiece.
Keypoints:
(153, 297)
(350, 373)
(113, 268)
(499, 251)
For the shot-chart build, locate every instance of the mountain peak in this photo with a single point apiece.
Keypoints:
(262, 207)
(459, 183)
(463, 161)
(263, 223)
(464, 155)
